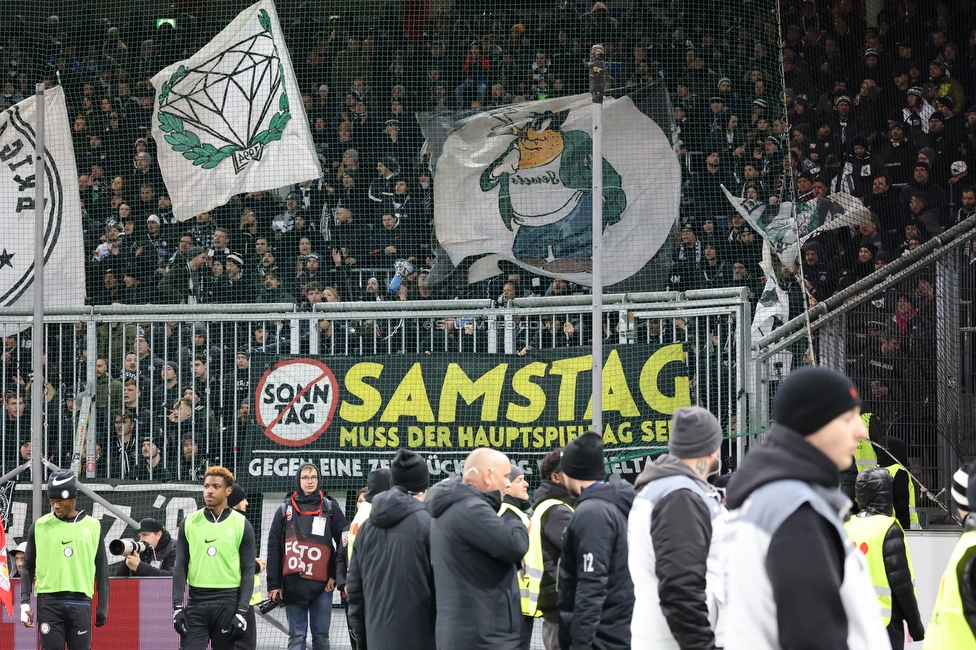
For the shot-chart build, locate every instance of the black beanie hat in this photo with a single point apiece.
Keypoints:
(62, 484)
(409, 471)
(583, 458)
(377, 482)
(811, 397)
(237, 494)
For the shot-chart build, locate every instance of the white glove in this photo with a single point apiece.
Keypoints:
(26, 615)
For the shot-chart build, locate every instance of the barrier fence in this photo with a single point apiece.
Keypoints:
(443, 378)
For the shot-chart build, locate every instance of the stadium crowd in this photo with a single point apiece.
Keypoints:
(875, 106)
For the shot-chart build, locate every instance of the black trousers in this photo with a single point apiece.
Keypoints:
(208, 622)
(63, 623)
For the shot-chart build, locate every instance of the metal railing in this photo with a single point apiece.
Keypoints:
(156, 355)
(846, 328)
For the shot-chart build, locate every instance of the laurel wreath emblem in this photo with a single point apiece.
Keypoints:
(204, 154)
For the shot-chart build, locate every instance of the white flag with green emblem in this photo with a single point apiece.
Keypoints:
(230, 118)
(64, 249)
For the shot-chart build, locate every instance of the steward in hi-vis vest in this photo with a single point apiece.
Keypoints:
(894, 456)
(377, 482)
(865, 457)
(64, 559)
(551, 510)
(514, 502)
(878, 535)
(215, 553)
(953, 624)
(238, 501)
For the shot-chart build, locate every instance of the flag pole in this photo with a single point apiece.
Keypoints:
(598, 84)
(37, 339)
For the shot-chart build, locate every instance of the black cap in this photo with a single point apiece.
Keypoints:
(377, 482)
(409, 471)
(62, 484)
(811, 397)
(149, 525)
(583, 458)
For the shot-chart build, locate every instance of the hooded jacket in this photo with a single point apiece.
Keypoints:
(295, 589)
(792, 567)
(875, 496)
(554, 524)
(474, 553)
(596, 595)
(674, 558)
(390, 580)
(154, 562)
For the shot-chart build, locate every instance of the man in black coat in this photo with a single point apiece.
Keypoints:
(596, 595)
(158, 560)
(552, 507)
(305, 562)
(390, 581)
(874, 493)
(474, 553)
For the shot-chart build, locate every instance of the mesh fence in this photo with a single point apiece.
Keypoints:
(380, 218)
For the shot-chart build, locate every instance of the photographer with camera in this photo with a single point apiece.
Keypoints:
(153, 555)
(305, 562)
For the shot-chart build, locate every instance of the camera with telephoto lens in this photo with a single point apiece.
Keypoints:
(128, 546)
(266, 606)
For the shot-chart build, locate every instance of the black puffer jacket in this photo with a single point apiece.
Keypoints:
(875, 496)
(154, 562)
(596, 595)
(554, 524)
(297, 590)
(390, 580)
(474, 553)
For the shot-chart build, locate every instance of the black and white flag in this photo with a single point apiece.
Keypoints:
(64, 250)
(230, 119)
(787, 225)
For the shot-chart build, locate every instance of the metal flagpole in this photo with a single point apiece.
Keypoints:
(597, 86)
(37, 338)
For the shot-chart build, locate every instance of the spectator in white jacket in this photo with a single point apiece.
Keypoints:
(673, 534)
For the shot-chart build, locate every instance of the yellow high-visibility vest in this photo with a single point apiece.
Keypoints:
(912, 512)
(865, 457)
(523, 576)
(361, 516)
(256, 594)
(868, 534)
(948, 628)
(534, 560)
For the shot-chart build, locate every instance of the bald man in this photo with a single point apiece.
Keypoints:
(474, 554)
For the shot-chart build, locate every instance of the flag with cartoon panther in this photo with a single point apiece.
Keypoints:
(515, 184)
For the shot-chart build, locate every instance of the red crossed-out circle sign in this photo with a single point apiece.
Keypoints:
(295, 400)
